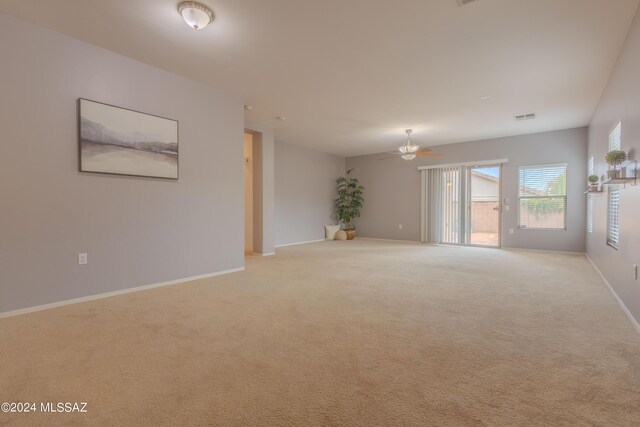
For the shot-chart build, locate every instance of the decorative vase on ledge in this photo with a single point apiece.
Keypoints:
(615, 159)
(617, 173)
(351, 234)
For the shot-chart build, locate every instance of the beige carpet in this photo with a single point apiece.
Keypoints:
(356, 333)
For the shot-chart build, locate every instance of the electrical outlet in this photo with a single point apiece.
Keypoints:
(511, 231)
(82, 259)
(506, 208)
(399, 226)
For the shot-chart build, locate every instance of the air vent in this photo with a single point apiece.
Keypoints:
(464, 2)
(529, 116)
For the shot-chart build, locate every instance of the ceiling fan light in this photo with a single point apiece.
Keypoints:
(408, 148)
(195, 14)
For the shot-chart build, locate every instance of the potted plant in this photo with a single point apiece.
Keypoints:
(593, 182)
(349, 202)
(615, 158)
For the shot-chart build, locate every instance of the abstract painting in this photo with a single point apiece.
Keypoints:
(119, 141)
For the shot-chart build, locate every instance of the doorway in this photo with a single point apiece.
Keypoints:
(248, 193)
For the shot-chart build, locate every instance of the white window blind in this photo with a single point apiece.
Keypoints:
(613, 196)
(615, 137)
(542, 197)
(613, 214)
(590, 199)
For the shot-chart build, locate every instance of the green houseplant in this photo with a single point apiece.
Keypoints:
(615, 158)
(593, 182)
(349, 202)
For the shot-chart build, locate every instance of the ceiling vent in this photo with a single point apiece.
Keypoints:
(530, 116)
(464, 2)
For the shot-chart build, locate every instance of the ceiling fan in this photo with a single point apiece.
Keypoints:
(409, 150)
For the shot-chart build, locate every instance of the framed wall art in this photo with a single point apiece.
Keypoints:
(114, 140)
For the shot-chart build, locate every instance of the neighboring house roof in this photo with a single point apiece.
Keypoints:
(484, 175)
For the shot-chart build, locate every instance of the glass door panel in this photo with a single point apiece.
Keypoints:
(483, 200)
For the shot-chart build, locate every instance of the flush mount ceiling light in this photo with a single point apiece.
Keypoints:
(408, 149)
(195, 14)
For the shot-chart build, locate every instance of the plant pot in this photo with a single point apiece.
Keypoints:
(593, 187)
(613, 173)
(351, 234)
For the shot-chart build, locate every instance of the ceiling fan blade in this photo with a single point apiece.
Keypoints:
(424, 150)
(430, 155)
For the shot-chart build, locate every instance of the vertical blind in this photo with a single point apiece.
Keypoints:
(542, 197)
(613, 196)
(442, 210)
(452, 214)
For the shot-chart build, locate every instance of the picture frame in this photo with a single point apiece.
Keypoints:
(119, 141)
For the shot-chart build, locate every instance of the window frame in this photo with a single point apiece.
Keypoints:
(590, 203)
(566, 198)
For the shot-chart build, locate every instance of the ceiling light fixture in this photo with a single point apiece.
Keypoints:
(195, 14)
(408, 149)
(248, 107)
(281, 118)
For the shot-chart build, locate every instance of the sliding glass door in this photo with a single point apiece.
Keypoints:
(462, 205)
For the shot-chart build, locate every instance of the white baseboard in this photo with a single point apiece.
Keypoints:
(300, 243)
(114, 293)
(548, 251)
(388, 240)
(268, 254)
(624, 308)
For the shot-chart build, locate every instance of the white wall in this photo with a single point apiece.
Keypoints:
(392, 187)
(619, 102)
(136, 231)
(305, 192)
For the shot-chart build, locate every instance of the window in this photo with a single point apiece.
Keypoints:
(615, 137)
(542, 197)
(613, 196)
(590, 200)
